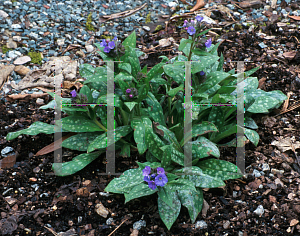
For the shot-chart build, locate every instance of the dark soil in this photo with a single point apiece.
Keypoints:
(40, 203)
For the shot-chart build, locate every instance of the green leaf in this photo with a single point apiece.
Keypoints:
(200, 179)
(155, 109)
(203, 147)
(125, 150)
(153, 142)
(221, 63)
(183, 43)
(124, 76)
(101, 140)
(220, 169)
(139, 134)
(125, 66)
(169, 214)
(199, 129)
(79, 141)
(165, 194)
(203, 32)
(139, 190)
(130, 105)
(166, 159)
(125, 182)
(144, 70)
(168, 136)
(263, 104)
(181, 184)
(34, 129)
(250, 123)
(130, 40)
(85, 90)
(205, 61)
(78, 163)
(193, 201)
(176, 72)
(252, 136)
(252, 71)
(79, 124)
(174, 91)
(201, 52)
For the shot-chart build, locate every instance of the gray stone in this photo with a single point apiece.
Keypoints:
(11, 44)
(13, 54)
(259, 210)
(6, 151)
(201, 224)
(16, 26)
(89, 48)
(139, 224)
(3, 14)
(146, 28)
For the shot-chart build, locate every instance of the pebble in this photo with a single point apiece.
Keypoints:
(259, 210)
(201, 224)
(256, 173)
(139, 224)
(5, 151)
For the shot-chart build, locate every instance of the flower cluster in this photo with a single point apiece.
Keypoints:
(108, 45)
(78, 98)
(131, 92)
(193, 25)
(155, 179)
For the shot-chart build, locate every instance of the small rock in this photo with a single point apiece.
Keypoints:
(11, 44)
(201, 224)
(259, 210)
(83, 192)
(10, 200)
(101, 210)
(226, 224)
(146, 28)
(3, 14)
(265, 167)
(109, 221)
(89, 48)
(14, 54)
(256, 173)
(139, 224)
(60, 42)
(21, 70)
(22, 60)
(5, 151)
(17, 38)
(80, 53)
(294, 222)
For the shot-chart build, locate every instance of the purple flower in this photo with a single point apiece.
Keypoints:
(147, 171)
(128, 90)
(111, 45)
(208, 43)
(103, 43)
(202, 73)
(192, 21)
(130, 95)
(160, 170)
(74, 94)
(147, 178)
(185, 22)
(153, 176)
(161, 180)
(106, 49)
(115, 38)
(152, 184)
(191, 30)
(199, 18)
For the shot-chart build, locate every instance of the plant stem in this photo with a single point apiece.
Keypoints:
(100, 125)
(192, 47)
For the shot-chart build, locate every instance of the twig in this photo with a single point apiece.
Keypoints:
(290, 109)
(121, 14)
(52, 231)
(117, 227)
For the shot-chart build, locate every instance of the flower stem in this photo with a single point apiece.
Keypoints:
(192, 46)
(100, 125)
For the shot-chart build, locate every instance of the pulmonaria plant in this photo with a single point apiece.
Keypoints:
(152, 122)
